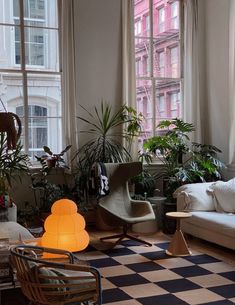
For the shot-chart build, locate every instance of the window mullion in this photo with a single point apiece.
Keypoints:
(151, 67)
(24, 75)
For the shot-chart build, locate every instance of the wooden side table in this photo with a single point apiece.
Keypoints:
(178, 245)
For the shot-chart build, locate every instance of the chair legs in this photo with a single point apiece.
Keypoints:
(123, 235)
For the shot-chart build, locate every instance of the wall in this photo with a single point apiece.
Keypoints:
(98, 53)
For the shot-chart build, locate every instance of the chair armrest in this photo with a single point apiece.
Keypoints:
(143, 204)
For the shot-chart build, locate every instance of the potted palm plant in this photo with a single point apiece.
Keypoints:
(107, 134)
(107, 129)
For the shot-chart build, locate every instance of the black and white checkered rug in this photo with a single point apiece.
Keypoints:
(134, 274)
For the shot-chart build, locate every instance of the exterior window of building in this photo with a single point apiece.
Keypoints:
(137, 66)
(137, 27)
(30, 73)
(161, 106)
(174, 16)
(161, 64)
(174, 62)
(147, 24)
(161, 20)
(174, 104)
(146, 65)
(162, 46)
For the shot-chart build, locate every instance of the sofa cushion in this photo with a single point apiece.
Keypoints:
(224, 195)
(14, 231)
(195, 196)
(221, 223)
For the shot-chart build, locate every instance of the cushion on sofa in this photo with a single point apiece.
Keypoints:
(196, 197)
(224, 195)
(212, 221)
(13, 231)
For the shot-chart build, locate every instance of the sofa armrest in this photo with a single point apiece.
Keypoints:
(194, 196)
(12, 213)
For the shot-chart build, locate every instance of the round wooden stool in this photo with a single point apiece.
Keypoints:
(178, 245)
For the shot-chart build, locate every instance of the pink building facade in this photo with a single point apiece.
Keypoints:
(157, 57)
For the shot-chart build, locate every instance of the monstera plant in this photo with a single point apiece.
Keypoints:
(184, 162)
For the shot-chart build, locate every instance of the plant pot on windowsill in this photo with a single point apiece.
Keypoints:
(51, 162)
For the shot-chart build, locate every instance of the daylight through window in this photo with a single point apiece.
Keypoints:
(158, 61)
(30, 76)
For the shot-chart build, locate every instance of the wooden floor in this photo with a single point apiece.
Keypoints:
(194, 243)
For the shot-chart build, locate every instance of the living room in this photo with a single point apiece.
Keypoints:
(96, 65)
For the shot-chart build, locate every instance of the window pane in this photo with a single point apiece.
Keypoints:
(142, 51)
(44, 96)
(41, 49)
(44, 90)
(41, 12)
(144, 105)
(166, 58)
(157, 57)
(168, 101)
(10, 55)
(142, 21)
(174, 22)
(6, 15)
(11, 90)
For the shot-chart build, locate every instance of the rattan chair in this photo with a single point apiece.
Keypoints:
(55, 281)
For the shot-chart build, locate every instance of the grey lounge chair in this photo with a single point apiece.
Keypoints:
(117, 208)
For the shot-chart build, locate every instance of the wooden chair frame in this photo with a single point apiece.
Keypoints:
(64, 279)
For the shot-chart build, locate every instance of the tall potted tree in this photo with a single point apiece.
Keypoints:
(107, 129)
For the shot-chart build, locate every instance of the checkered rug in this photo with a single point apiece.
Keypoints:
(133, 274)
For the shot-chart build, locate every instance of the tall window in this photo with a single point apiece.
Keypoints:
(174, 15)
(161, 87)
(161, 19)
(30, 70)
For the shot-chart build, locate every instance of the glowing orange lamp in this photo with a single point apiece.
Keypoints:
(65, 227)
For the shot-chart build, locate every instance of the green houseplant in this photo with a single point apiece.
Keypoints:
(184, 162)
(42, 181)
(51, 159)
(107, 129)
(13, 163)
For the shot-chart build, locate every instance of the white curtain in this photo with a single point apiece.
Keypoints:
(69, 75)
(232, 82)
(192, 107)
(128, 61)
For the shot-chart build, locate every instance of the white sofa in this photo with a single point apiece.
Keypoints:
(212, 206)
(13, 230)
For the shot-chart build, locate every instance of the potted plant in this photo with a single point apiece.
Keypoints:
(169, 148)
(13, 163)
(46, 189)
(108, 129)
(184, 162)
(51, 159)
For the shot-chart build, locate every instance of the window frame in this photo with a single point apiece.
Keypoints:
(153, 77)
(26, 71)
